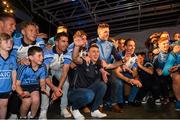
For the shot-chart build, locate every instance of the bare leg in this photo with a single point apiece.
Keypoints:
(25, 105)
(3, 108)
(35, 103)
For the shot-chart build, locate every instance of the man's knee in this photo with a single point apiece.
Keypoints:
(89, 96)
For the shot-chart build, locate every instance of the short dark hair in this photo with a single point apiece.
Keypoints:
(26, 23)
(34, 49)
(58, 35)
(4, 16)
(93, 45)
(141, 53)
(130, 39)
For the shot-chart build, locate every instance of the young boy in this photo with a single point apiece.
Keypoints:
(29, 79)
(7, 72)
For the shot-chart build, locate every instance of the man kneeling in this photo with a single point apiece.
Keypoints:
(86, 88)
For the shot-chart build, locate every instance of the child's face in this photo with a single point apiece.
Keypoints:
(30, 33)
(6, 44)
(37, 58)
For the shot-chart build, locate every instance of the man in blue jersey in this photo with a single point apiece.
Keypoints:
(29, 39)
(30, 80)
(7, 72)
(54, 60)
(7, 23)
(108, 53)
(61, 28)
(128, 72)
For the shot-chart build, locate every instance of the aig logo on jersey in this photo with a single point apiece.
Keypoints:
(5, 74)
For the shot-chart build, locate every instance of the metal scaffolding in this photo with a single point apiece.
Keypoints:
(122, 15)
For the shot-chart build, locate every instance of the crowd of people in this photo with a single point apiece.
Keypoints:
(93, 74)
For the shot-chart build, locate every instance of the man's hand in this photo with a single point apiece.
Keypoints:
(126, 69)
(87, 59)
(159, 72)
(14, 86)
(176, 49)
(56, 94)
(25, 95)
(45, 91)
(104, 75)
(136, 83)
(104, 64)
(173, 69)
(156, 51)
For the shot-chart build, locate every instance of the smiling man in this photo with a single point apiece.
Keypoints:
(7, 24)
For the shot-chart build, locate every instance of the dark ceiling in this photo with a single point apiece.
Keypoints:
(121, 15)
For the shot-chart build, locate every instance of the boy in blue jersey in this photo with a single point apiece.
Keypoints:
(172, 68)
(30, 80)
(54, 60)
(7, 72)
(159, 62)
(29, 39)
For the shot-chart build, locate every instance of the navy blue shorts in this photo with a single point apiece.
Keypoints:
(30, 88)
(5, 95)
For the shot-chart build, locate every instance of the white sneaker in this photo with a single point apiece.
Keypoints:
(98, 114)
(158, 102)
(43, 115)
(29, 114)
(145, 99)
(65, 113)
(13, 116)
(77, 115)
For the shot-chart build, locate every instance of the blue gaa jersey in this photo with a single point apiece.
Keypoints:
(132, 62)
(160, 60)
(106, 49)
(28, 76)
(68, 54)
(172, 60)
(20, 48)
(6, 68)
(55, 61)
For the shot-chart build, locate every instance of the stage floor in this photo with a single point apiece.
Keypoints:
(145, 111)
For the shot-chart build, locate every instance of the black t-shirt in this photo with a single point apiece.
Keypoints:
(85, 75)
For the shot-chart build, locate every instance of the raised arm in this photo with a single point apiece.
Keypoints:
(78, 44)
